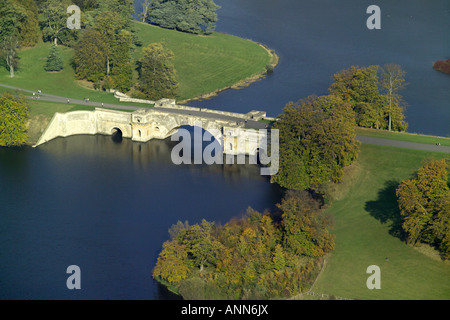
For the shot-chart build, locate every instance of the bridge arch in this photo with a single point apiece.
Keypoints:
(116, 134)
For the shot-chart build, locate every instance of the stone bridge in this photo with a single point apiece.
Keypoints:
(237, 133)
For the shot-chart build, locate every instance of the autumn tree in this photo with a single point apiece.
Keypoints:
(247, 258)
(317, 140)
(13, 118)
(171, 265)
(306, 228)
(157, 74)
(359, 87)
(392, 79)
(424, 204)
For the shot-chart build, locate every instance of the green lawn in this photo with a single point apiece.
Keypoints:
(367, 226)
(204, 64)
(403, 136)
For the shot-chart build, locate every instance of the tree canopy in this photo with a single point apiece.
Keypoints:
(360, 87)
(253, 257)
(193, 16)
(424, 203)
(317, 140)
(54, 60)
(157, 74)
(13, 118)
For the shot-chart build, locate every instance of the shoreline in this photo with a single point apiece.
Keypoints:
(244, 83)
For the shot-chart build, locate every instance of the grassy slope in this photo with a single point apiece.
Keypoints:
(365, 231)
(204, 64)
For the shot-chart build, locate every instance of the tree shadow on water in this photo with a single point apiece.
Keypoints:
(386, 210)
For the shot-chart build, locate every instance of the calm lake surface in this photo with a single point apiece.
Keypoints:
(316, 39)
(107, 206)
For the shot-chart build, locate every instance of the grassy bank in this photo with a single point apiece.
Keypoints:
(367, 232)
(204, 64)
(402, 136)
(207, 64)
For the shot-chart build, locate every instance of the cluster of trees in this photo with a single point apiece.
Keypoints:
(102, 47)
(18, 27)
(373, 94)
(442, 66)
(317, 140)
(103, 52)
(14, 112)
(255, 257)
(424, 203)
(193, 16)
(157, 74)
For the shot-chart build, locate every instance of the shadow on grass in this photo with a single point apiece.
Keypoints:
(386, 210)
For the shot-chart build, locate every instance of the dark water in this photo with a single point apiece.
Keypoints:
(317, 38)
(106, 207)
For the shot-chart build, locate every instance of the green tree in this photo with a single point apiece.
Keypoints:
(425, 206)
(317, 140)
(392, 79)
(108, 24)
(202, 248)
(12, 18)
(89, 56)
(87, 5)
(193, 16)
(359, 87)
(54, 60)
(124, 7)
(13, 117)
(29, 31)
(157, 74)
(54, 22)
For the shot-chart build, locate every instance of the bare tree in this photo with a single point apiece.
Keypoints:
(145, 8)
(9, 47)
(392, 80)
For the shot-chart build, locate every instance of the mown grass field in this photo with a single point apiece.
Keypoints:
(367, 225)
(204, 64)
(402, 136)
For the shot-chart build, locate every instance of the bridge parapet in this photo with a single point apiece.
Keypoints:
(156, 123)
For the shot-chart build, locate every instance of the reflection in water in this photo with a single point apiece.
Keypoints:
(144, 153)
(107, 208)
